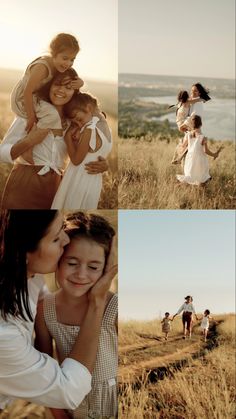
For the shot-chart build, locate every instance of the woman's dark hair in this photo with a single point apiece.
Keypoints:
(196, 121)
(188, 296)
(207, 312)
(167, 314)
(20, 232)
(183, 96)
(60, 79)
(90, 226)
(203, 92)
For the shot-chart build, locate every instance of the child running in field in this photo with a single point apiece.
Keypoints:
(166, 325)
(196, 166)
(88, 138)
(60, 314)
(24, 101)
(205, 323)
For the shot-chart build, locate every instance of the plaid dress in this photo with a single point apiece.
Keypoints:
(101, 402)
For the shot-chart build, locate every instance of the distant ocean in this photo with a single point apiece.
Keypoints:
(219, 113)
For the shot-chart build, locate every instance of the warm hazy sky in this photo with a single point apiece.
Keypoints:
(27, 27)
(166, 255)
(182, 37)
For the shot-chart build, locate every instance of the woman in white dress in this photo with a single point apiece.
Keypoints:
(196, 167)
(89, 138)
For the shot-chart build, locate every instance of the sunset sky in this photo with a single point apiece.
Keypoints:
(27, 27)
(166, 255)
(179, 38)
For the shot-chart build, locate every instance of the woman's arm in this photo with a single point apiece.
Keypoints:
(36, 136)
(195, 100)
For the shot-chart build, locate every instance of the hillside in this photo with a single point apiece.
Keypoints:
(182, 379)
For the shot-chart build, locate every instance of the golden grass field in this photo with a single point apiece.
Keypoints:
(109, 197)
(179, 379)
(147, 179)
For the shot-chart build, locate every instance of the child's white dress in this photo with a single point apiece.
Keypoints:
(101, 402)
(47, 114)
(205, 323)
(78, 189)
(196, 167)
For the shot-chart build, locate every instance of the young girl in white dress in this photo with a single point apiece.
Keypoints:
(60, 314)
(196, 167)
(24, 101)
(205, 323)
(87, 139)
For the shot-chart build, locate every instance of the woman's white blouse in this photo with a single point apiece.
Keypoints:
(34, 376)
(51, 153)
(187, 307)
(197, 109)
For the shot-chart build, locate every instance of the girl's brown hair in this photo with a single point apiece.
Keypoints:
(63, 41)
(90, 226)
(197, 121)
(79, 102)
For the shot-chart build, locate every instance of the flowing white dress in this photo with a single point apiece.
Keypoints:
(196, 167)
(78, 189)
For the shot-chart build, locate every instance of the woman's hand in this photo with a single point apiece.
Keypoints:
(98, 292)
(98, 166)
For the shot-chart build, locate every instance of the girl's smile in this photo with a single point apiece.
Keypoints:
(81, 266)
(64, 60)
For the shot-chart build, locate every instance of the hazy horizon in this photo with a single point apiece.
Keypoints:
(173, 75)
(93, 24)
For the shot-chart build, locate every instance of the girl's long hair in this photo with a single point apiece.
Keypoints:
(20, 232)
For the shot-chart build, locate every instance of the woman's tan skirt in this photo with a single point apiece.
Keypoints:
(25, 189)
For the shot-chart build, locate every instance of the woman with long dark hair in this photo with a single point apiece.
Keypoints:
(32, 183)
(31, 243)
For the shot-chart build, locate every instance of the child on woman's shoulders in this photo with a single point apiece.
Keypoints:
(24, 100)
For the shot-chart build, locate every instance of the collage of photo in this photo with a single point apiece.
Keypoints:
(117, 209)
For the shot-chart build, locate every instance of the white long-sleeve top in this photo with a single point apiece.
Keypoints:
(187, 307)
(34, 376)
(51, 153)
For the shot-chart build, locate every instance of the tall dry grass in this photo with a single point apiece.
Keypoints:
(109, 195)
(147, 180)
(205, 388)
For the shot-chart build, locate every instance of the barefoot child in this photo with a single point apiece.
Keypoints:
(196, 167)
(60, 314)
(24, 102)
(88, 139)
(205, 323)
(166, 325)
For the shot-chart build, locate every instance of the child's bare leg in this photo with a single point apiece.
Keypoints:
(28, 155)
